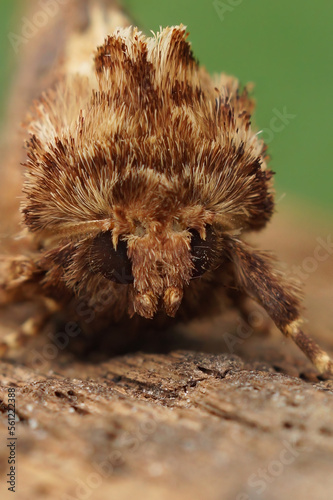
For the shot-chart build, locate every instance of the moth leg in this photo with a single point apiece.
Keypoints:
(30, 328)
(253, 318)
(18, 278)
(255, 275)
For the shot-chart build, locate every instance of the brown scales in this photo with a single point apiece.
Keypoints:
(141, 176)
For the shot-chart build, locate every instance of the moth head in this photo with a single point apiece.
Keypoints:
(156, 256)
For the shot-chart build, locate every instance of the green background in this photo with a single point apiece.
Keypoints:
(285, 47)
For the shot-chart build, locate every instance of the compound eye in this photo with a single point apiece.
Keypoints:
(112, 264)
(202, 251)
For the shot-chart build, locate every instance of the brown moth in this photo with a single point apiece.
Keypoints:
(142, 176)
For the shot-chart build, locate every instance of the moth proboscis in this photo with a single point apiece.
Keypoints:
(143, 174)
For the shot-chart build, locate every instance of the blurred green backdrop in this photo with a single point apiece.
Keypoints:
(284, 47)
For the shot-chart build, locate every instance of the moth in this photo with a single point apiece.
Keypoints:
(143, 175)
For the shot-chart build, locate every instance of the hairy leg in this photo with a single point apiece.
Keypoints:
(254, 317)
(19, 280)
(256, 276)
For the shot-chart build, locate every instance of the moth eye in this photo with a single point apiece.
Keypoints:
(202, 251)
(112, 264)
